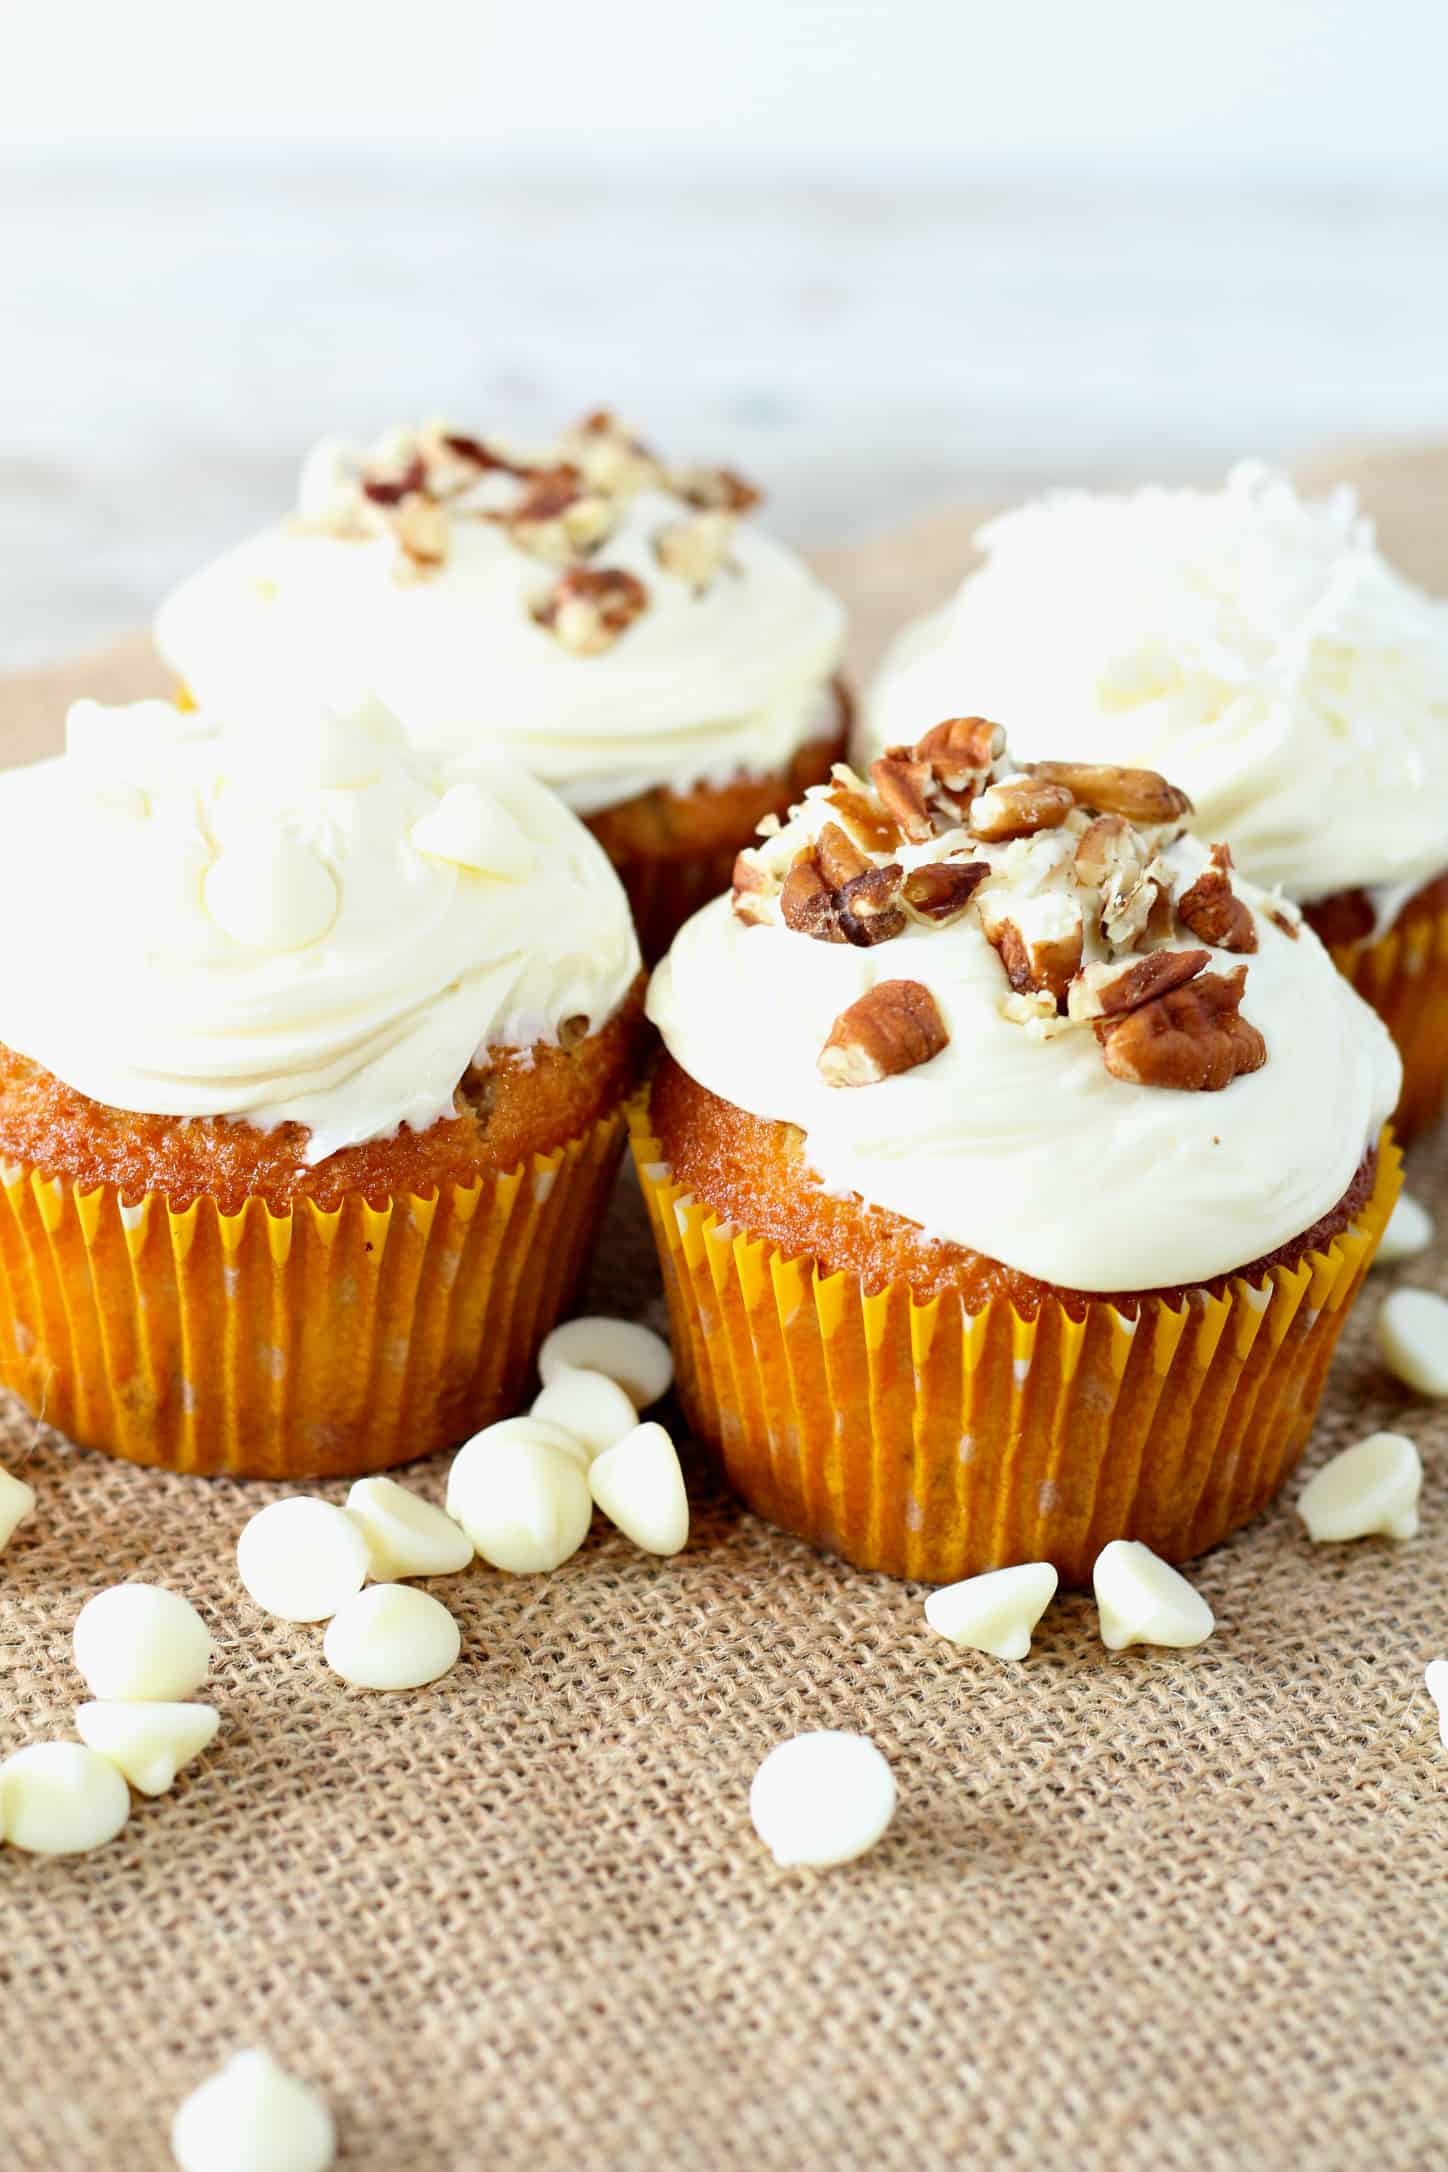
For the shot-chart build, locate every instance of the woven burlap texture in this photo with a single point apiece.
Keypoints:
(1145, 1911)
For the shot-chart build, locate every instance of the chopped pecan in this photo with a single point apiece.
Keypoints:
(941, 890)
(1111, 855)
(475, 454)
(840, 858)
(556, 518)
(1107, 991)
(1212, 909)
(694, 550)
(961, 747)
(867, 908)
(714, 490)
(1139, 794)
(807, 903)
(752, 888)
(1193, 1039)
(875, 831)
(1018, 807)
(1280, 918)
(588, 610)
(421, 529)
(894, 1027)
(612, 459)
(902, 785)
(1047, 963)
(392, 489)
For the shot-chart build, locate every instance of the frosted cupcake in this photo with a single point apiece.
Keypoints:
(622, 628)
(1262, 652)
(1012, 1164)
(312, 1057)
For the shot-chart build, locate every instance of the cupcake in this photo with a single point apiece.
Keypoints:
(1259, 650)
(621, 628)
(1012, 1163)
(312, 1063)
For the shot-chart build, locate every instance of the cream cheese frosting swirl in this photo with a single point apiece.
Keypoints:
(725, 671)
(1256, 647)
(306, 923)
(1020, 1143)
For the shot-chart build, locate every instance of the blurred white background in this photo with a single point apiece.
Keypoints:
(878, 255)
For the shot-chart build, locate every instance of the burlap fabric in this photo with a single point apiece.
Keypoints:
(1157, 1910)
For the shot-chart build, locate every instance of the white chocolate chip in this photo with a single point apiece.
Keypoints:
(16, 1502)
(140, 1642)
(59, 1798)
(590, 1406)
(523, 1501)
(471, 829)
(406, 1536)
(531, 1428)
(271, 892)
(995, 1612)
(253, 2117)
(1413, 1337)
(300, 1558)
(391, 1636)
(1372, 1488)
(640, 1488)
(1435, 1678)
(638, 1359)
(821, 1799)
(1143, 1601)
(1409, 1231)
(149, 1743)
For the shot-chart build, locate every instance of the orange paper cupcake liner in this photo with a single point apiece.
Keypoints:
(1404, 975)
(307, 1343)
(929, 1442)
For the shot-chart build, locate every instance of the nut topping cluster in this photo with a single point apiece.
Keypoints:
(1062, 865)
(561, 509)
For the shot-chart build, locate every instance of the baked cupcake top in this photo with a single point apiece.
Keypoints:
(306, 923)
(612, 623)
(1256, 647)
(1018, 1006)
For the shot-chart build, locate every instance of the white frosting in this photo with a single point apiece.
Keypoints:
(307, 924)
(1256, 649)
(704, 686)
(1029, 1150)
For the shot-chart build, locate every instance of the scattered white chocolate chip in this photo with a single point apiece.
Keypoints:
(1409, 1231)
(149, 1743)
(16, 1502)
(1435, 1678)
(59, 1798)
(300, 1558)
(529, 1427)
(271, 892)
(1143, 1601)
(406, 1536)
(821, 1799)
(1413, 1337)
(140, 1642)
(638, 1359)
(995, 1612)
(253, 2116)
(1372, 1488)
(640, 1488)
(470, 829)
(590, 1406)
(391, 1636)
(523, 1501)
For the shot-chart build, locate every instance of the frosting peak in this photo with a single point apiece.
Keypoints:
(304, 923)
(611, 622)
(1256, 646)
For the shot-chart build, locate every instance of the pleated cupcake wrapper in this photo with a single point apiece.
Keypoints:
(1404, 975)
(930, 1442)
(314, 1342)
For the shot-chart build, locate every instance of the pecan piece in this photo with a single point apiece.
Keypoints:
(714, 490)
(556, 518)
(941, 890)
(1139, 794)
(960, 748)
(588, 610)
(1046, 964)
(875, 831)
(807, 903)
(867, 907)
(612, 459)
(751, 890)
(1110, 854)
(1280, 918)
(1108, 991)
(1018, 807)
(892, 1028)
(854, 900)
(1212, 909)
(1193, 1039)
(392, 489)
(420, 527)
(902, 785)
(694, 550)
(840, 858)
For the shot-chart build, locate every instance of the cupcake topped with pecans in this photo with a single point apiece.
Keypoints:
(620, 625)
(1000, 1039)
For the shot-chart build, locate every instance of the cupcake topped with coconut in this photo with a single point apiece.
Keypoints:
(1016, 1005)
